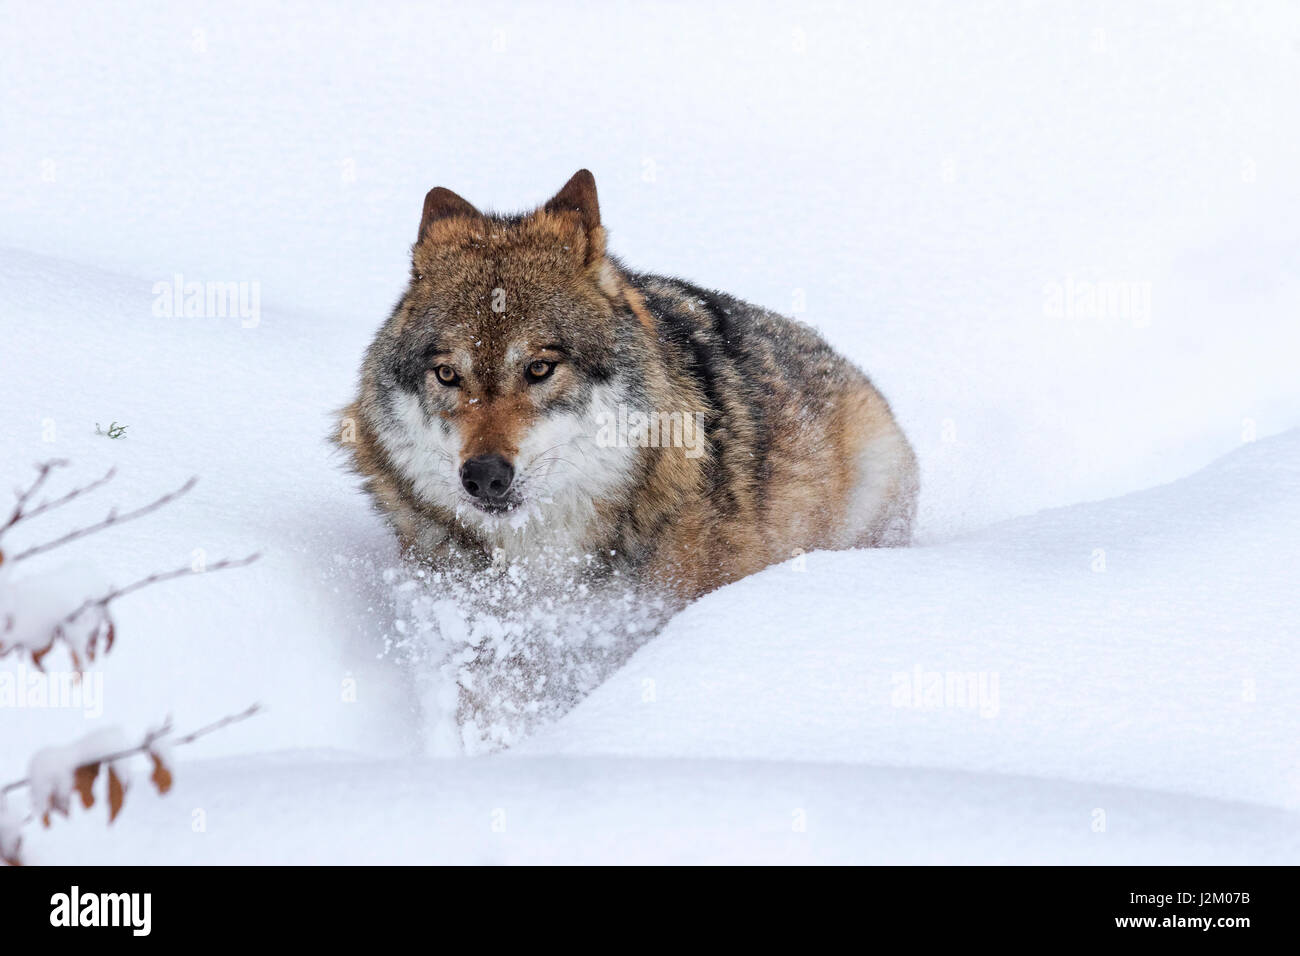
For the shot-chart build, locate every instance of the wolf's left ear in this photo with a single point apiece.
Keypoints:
(579, 195)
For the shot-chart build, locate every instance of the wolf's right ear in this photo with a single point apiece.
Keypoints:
(442, 204)
(578, 195)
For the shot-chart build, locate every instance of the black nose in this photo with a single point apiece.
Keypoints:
(487, 476)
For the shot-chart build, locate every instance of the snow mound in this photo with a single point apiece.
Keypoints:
(322, 808)
(1146, 641)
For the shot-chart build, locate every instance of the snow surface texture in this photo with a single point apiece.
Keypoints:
(1089, 656)
(502, 652)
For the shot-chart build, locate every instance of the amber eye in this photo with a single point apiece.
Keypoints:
(538, 370)
(446, 375)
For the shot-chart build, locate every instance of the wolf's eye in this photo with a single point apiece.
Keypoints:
(447, 375)
(538, 370)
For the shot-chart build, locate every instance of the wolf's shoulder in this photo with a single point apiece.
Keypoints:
(726, 328)
(674, 299)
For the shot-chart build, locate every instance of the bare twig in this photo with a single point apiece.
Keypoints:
(105, 599)
(151, 738)
(102, 627)
(116, 593)
(113, 519)
(23, 515)
(216, 725)
(22, 496)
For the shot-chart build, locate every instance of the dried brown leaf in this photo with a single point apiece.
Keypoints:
(16, 858)
(115, 794)
(39, 655)
(84, 780)
(162, 775)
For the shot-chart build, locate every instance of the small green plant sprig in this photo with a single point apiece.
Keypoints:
(114, 430)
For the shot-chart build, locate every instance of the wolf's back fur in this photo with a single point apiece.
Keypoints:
(799, 451)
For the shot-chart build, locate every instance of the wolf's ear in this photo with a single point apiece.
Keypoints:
(440, 204)
(579, 195)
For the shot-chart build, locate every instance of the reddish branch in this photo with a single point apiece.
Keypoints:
(21, 512)
(85, 772)
(24, 510)
(104, 600)
(22, 496)
(116, 593)
(150, 739)
(113, 517)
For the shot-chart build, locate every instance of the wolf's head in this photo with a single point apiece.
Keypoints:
(515, 335)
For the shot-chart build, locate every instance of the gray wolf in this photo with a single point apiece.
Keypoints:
(531, 398)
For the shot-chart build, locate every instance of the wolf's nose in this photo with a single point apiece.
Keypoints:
(487, 476)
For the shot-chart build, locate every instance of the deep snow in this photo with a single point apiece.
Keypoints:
(920, 183)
